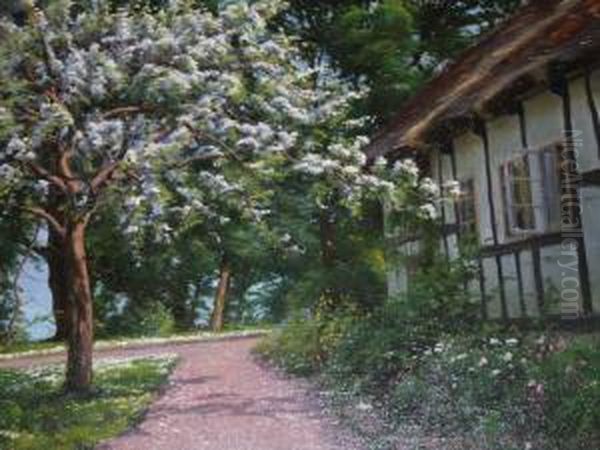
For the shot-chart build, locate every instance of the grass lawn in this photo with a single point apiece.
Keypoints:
(23, 349)
(19, 347)
(35, 414)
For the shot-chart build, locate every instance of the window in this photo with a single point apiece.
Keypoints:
(466, 207)
(531, 191)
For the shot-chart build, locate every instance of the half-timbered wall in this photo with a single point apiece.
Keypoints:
(522, 273)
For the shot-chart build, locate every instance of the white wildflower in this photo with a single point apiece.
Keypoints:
(428, 211)
(507, 357)
(362, 406)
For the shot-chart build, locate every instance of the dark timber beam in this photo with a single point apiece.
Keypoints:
(440, 168)
(589, 92)
(538, 277)
(481, 130)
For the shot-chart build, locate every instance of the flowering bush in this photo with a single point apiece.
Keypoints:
(505, 392)
(180, 115)
(487, 387)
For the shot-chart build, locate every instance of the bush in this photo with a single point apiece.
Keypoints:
(568, 383)
(433, 364)
(153, 320)
(506, 392)
(305, 343)
(295, 348)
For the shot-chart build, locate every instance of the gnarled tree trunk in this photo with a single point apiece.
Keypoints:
(217, 318)
(81, 331)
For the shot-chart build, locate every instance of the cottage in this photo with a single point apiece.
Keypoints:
(516, 121)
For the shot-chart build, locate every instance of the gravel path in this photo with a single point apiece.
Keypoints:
(219, 398)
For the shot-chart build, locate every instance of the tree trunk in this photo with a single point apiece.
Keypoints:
(330, 296)
(80, 342)
(328, 238)
(217, 318)
(57, 280)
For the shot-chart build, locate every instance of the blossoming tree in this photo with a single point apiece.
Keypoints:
(98, 102)
(99, 105)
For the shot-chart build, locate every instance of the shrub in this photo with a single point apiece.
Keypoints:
(294, 348)
(152, 320)
(506, 392)
(305, 343)
(568, 384)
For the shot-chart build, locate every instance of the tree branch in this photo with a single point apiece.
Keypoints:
(103, 176)
(124, 110)
(214, 140)
(52, 221)
(42, 173)
(192, 159)
(105, 173)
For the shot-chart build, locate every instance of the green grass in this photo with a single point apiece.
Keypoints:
(18, 347)
(260, 326)
(33, 348)
(35, 414)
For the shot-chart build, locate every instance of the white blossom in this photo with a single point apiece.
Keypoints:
(428, 211)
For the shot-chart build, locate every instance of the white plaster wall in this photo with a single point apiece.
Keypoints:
(556, 279)
(583, 126)
(511, 285)
(529, 291)
(396, 280)
(447, 176)
(544, 125)
(490, 274)
(395, 272)
(453, 246)
(544, 119)
(441, 170)
(505, 144)
(470, 163)
(591, 225)
(434, 162)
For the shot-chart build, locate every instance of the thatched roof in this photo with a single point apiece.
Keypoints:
(507, 60)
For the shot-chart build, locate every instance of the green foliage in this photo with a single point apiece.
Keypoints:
(302, 345)
(431, 362)
(355, 342)
(294, 348)
(35, 414)
(501, 389)
(15, 234)
(506, 392)
(571, 388)
(150, 320)
(395, 45)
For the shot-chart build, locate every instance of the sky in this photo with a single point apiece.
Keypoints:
(38, 303)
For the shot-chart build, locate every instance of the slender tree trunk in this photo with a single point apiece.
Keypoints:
(330, 295)
(217, 318)
(57, 265)
(57, 280)
(328, 238)
(80, 342)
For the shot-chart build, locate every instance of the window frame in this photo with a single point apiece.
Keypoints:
(470, 226)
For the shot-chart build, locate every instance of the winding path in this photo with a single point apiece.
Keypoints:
(219, 398)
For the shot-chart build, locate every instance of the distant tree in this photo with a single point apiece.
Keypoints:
(394, 45)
